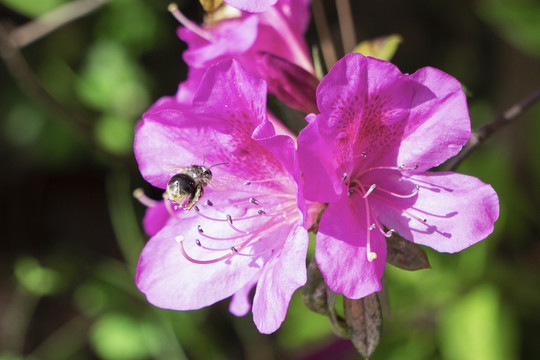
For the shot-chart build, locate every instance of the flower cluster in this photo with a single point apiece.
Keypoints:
(252, 195)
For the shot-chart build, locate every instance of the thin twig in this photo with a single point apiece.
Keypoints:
(51, 21)
(346, 25)
(480, 135)
(325, 40)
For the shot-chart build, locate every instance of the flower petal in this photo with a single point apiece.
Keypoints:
(459, 210)
(231, 38)
(320, 168)
(240, 303)
(251, 5)
(282, 275)
(170, 281)
(341, 251)
(155, 218)
(438, 126)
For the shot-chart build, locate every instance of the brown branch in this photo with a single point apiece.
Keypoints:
(480, 135)
(346, 25)
(323, 31)
(51, 21)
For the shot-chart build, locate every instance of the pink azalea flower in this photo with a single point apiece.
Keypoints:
(248, 227)
(269, 44)
(251, 5)
(366, 155)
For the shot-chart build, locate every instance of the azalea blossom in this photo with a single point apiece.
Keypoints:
(247, 229)
(269, 44)
(251, 5)
(367, 154)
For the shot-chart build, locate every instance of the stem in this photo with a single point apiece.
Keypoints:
(346, 25)
(323, 31)
(480, 135)
(53, 20)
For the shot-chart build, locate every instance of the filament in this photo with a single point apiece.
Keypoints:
(182, 19)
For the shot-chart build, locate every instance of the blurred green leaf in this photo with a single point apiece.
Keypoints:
(383, 47)
(35, 278)
(131, 22)
(112, 81)
(24, 124)
(115, 134)
(32, 8)
(478, 328)
(117, 336)
(517, 20)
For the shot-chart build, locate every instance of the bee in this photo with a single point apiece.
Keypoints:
(187, 187)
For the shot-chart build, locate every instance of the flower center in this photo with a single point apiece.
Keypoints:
(258, 211)
(360, 185)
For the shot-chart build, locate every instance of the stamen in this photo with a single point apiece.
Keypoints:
(389, 233)
(247, 182)
(179, 239)
(196, 208)
(229, 219)
(143, 199)
(198, 242)
(202, 262)
(261, 212)
(182, 19)
(372, 227)
(371, 256)
(233, 250)
(208, 203)
(414, 192)
(364, 154)
(253, 201)
(370, 190)
(350, 192)
(199, 229)
(344, 177)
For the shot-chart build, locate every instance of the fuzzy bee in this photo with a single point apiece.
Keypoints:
(187, 187)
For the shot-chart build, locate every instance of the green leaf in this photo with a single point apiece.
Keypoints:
(32, 8)
(119, 337)
(478, 328)
(364, 319)
(35, 278)
(115, 134)
(111, 81)
(383, 47)
(405, 254)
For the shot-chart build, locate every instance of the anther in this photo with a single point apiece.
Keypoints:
(261, 212)
(344, 177)
(209, 203)
(229, 219)
(415, 166)
(233, 250)
(196, 208)
(176, 207)
(372, 227)
(247, 182)
(371, 256)
(198, 242)
(179, 239)
(370, 190)
(350, 192)
(199, 229)
(364, 154)
(253, 201)
(402, 166)
(424, 220)
(389, 233)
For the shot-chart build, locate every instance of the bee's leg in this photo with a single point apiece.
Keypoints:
(195, 197)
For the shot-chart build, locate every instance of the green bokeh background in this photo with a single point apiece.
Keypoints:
(71, 231)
